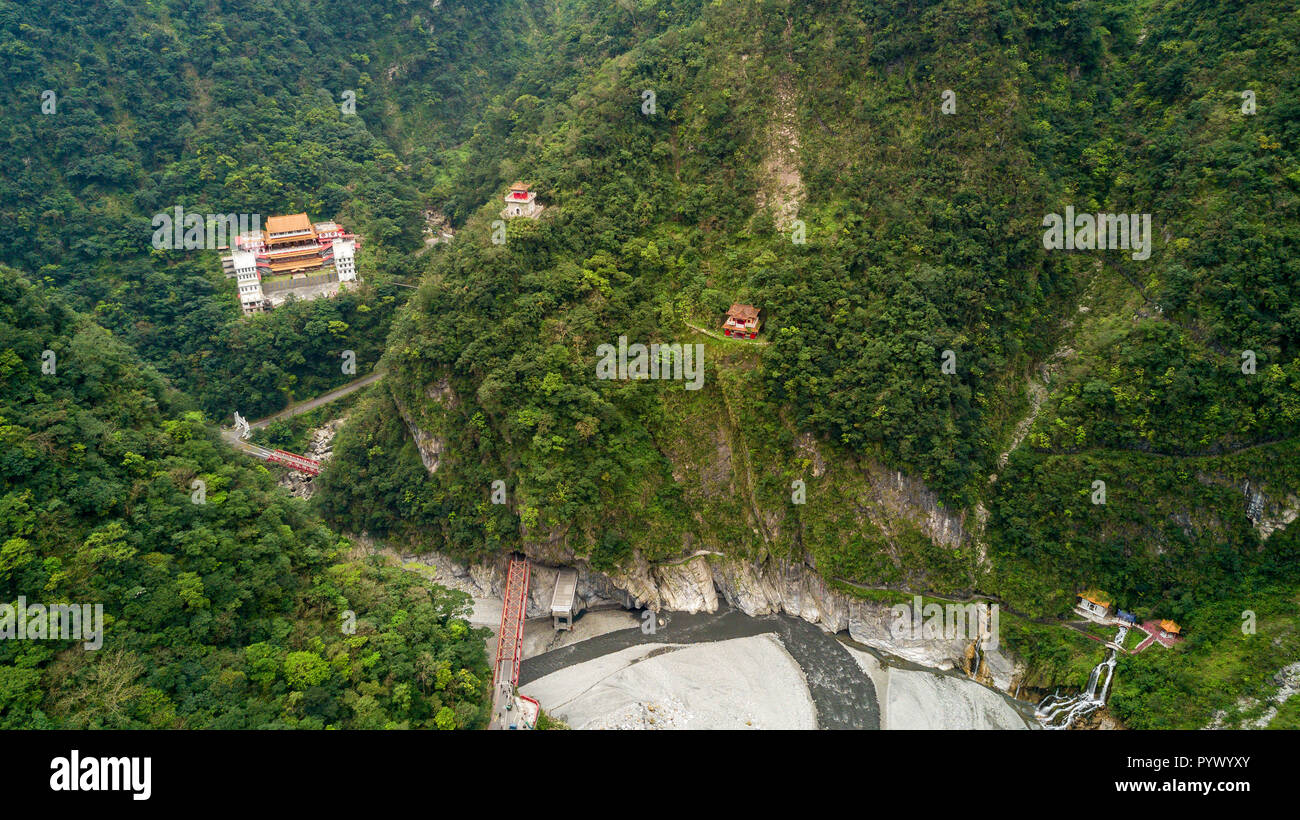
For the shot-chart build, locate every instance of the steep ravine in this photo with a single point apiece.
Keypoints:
(715, 463)
(758, 583)
(702, 582)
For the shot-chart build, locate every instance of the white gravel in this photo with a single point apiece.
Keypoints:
(540, 635)
(914, 699)
(745, 683)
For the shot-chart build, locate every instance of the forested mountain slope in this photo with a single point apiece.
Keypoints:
(114, 112)
(874, 176)
(226, 604)
(238, 109)
(924, 233)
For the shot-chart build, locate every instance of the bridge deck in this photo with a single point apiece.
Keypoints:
(566, 588)
(510, 638)
(510, 643)
(294, 462)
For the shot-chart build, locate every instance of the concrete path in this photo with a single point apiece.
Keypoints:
(1152, 628)
(722, 338)
(298, 408)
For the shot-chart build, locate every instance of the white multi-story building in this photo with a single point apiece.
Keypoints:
(1094, 606)
(345, 263)
(251, 298)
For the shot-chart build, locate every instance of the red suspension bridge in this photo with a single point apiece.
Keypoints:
(293, 461)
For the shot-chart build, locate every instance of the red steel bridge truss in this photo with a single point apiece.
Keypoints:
(510, 639)
(294, 462)
(291, 460)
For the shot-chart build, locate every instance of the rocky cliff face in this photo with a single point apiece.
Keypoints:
(744, 576)
(900, 496)
(1268, 515)
(718, 466)
(430, 444)
(1247, 713)
(702, 582)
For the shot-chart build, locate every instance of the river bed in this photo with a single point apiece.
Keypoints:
(727, 670)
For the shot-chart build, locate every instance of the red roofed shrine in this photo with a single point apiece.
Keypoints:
(742, 322)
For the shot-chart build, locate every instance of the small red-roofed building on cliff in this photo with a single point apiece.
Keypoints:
(742, 322)
(521, 202)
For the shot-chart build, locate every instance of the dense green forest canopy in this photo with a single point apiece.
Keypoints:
(920, 233)
(237, 110)
(225, 601)
(924, 235)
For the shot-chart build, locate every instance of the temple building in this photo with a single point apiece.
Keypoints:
(742, 322)
(521, 202)
(1094, 605)
(291, 256)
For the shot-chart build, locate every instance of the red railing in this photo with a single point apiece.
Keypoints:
(294, 462)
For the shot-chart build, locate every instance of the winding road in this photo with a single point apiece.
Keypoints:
(231, 435)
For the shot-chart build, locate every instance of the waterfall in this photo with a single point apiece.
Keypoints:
(1056, 712)
(1110, 675)
(1092, 681)
(986, 624)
